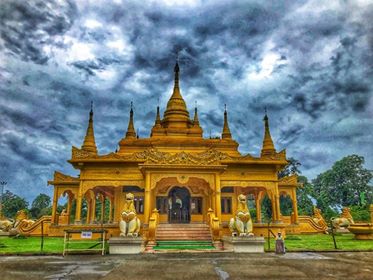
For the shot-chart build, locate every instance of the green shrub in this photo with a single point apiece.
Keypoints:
(360, 213)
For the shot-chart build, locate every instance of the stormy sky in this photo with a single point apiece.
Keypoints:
(309, 62)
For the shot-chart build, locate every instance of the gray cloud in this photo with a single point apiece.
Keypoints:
(309, 64)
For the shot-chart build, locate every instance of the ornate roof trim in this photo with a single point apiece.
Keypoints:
(154, 156)
(291, 180)
(63, 178)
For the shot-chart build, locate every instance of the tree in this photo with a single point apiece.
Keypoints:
(290, 169)
(40, 206)
(304, 197)
(12, 203)
(345, 184)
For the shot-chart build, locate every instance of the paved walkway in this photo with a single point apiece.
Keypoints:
(192, 266)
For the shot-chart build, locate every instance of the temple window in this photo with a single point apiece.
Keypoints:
(196, 205)
(226, 205)
(227, 190)
(162, 204)
(139, 204)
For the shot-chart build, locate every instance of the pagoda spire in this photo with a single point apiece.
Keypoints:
(131, 128)
(176, 114)
(268, 147)
(158, 118)
(196, 120)
(226, 134)
(89, 143)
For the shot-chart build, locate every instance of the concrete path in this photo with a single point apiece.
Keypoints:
(192, 266)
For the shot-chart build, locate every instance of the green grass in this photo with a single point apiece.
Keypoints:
(183, 245)
(32, 245)
(323, 242)
(314, 242)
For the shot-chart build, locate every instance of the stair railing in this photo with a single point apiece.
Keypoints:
(214, 224)
(153, 223)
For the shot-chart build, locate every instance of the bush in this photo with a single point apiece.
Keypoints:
(360, 213)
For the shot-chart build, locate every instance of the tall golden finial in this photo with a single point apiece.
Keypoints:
(195, 120)
(268, 147)
(158, 118)
(131, 128)
(89, 143)
(226, 134)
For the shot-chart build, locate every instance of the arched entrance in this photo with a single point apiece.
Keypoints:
(179, 205)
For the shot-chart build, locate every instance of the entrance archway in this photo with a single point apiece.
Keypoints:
(179, 205)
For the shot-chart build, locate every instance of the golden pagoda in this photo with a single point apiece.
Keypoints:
(176, 175)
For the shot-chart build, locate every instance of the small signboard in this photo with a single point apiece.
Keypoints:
(86, 234)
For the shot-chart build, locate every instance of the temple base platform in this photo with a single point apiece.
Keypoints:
(125, 245)
(244, 244)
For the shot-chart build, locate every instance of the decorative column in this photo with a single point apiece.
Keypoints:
(69, 203)
(93, 211)
(213, 207)
(147, 198)
(78, 211)
(295, 205)
(217, 196)
(89, 210)
(102, 198)
(110, 210)
(258, 208)
(54, 206)
(277, 208)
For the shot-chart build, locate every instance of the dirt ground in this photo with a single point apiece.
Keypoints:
(191, 266)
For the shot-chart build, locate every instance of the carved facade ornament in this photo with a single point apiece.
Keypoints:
(175, 178)
(291, 180)
(60, 177)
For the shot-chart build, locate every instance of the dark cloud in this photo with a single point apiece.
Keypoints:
(28, 26)
(309, 63)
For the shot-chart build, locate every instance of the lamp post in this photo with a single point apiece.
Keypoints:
(2, 185)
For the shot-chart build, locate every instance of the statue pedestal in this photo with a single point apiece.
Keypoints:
(244, 244)
(125, 245)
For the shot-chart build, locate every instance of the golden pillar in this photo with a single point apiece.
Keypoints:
(147, 198)
(217, 196)
(93, 211)
(258, 208)
(89, 210)
(295, 205)
(277, 208)
(110, 210)
(102, 199)
(212, 201)
(54, 206)
(69, 203)
(78, 211)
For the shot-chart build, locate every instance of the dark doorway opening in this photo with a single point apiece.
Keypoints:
(179, 205)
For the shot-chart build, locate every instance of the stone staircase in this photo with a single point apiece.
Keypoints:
(175, 237)
(180, 232)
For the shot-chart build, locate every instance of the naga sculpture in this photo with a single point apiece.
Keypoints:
(242, 224)
(344, 221)
(130, 223)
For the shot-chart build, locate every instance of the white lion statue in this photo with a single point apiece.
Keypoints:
(242, 224)
(130, 224)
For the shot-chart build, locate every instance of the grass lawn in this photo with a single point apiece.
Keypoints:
(323, 242)
(32, 245)
(312, 242)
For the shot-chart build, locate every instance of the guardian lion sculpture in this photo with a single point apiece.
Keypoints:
(130, 223)
(242, 224)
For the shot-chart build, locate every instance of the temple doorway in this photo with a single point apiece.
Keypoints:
(179, 205)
